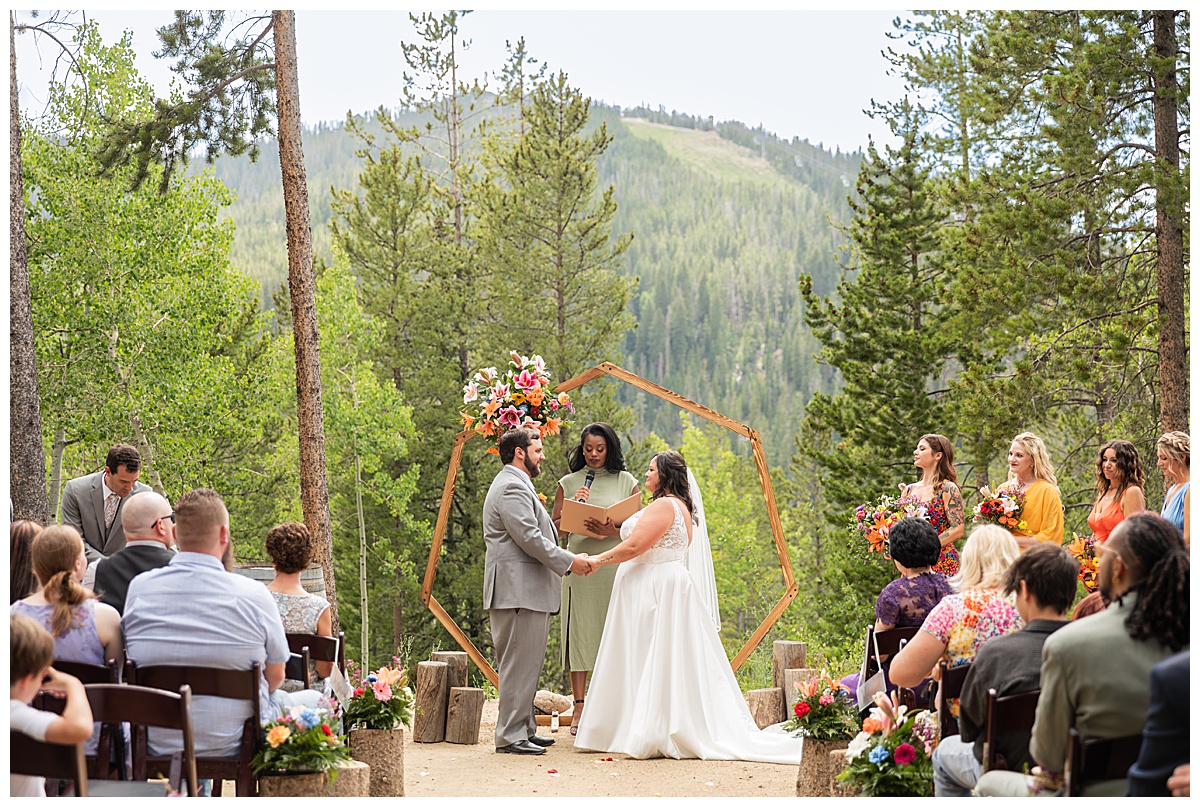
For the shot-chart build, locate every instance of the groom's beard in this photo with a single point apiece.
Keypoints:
(532, 470)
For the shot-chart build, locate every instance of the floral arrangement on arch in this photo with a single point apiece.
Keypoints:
(382, 700)
(1083, 549)
(873, 519)
(304, 739)
(823, 712)
(520, 398)
(1003, 507)
(891, 755)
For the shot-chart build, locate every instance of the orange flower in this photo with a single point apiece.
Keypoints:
(493, 450)
(466, 419)
(810, 687)
(535, 396)
(491, 407)
(552, 425)
(871, 725)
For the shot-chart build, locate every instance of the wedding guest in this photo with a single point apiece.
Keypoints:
(1043, 582)
(1096, 671)
(597, 458)
(938, 489)
(21, 580)
(290, 547)
(961, 622)
(149, 544)
(1166, 740)
(1119, 487)
(1174, 458)
(84, 629)
(1030, 473)
(31, 651)
(914, 548)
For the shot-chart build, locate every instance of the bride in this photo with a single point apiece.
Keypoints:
(662, 684)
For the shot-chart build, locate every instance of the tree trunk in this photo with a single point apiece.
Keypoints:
(314, 486)
(26, 459)
(57, 450)
(1172, 350)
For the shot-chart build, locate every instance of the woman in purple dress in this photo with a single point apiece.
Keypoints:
(914, 547)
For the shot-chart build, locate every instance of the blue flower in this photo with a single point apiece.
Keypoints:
(878, 754)
(308, 718)
(372, 678)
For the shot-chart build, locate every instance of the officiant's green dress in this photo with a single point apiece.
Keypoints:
(585, 599)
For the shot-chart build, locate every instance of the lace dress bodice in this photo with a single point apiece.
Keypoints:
(672, 546)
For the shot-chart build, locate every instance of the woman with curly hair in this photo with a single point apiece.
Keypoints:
(290, 547)
(1119, 487)
(938, 489)
(1174, 458)
(1031, 474)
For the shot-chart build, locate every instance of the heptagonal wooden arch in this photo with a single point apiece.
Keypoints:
(607, 368)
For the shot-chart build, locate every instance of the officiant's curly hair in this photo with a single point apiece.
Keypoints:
(614, 458)
(673, 478)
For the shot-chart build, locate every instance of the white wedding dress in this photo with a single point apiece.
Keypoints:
(662, 686)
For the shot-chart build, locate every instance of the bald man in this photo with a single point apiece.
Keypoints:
(150, 541)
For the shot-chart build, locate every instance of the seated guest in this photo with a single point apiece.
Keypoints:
(21, 582)
(31, 649)
(1043, 580)
(192, 611)
(1166, 741)
(83, 628)
(914, 546)
(978, 611)
(290, 547)
(1096, 671)
(150, 538)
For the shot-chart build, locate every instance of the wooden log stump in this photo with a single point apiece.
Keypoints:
(463, 715)
(353, 779)
(838, 761)
(456, 675)
(383, 751)
(790, 693)
(429, 724)
(766, 706)
(786, 656)
(819, 763)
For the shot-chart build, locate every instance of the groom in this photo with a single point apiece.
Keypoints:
(521, 586)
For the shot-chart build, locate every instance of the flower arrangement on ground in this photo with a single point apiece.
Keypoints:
(891, 756)
(823, 712)
(520, 398)
(1083, 549)
(382, 700)
(874, 519)
(1003, 508)
(304, 739)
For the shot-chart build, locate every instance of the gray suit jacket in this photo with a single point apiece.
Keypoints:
(524, 564)
(83, 509)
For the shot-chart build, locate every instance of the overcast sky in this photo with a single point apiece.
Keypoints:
(798, 73)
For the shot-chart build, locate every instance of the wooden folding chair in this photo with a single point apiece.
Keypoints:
(235, 684)
(53, 761)
(890, 642)
(297, 667)
(144, 707)
(950, 687)
(321, 648)
(1090, 761)
(111, 735)
(1008, 714)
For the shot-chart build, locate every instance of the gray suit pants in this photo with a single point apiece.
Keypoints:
(519, 636)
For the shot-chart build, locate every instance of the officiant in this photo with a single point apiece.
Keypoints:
(598, 477)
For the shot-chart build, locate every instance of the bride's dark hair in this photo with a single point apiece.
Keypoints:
(673, 478)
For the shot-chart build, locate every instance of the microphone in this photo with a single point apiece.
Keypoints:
(587, 481)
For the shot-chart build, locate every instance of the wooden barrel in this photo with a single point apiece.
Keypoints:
(312, 578)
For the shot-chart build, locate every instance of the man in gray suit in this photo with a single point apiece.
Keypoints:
(522, 574)
(92, 504)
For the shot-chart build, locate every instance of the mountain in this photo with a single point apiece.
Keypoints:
(725, 219)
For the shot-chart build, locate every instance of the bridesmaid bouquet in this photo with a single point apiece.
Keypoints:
(1084, 550)
(1003, 508)
(823, 713)
(520, 398)
(891, 755)
(874, 519)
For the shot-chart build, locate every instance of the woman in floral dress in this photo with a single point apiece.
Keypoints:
(938, 491)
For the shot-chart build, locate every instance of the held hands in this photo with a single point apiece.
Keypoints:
(581, 565)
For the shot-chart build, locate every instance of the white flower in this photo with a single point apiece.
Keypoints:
(470, 393)
(859, 744)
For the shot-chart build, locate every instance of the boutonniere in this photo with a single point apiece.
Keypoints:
(541, 498)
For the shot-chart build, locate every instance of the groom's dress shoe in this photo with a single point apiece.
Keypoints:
(521, 747)
(544, 742)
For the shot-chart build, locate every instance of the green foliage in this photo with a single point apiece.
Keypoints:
(892, 760)
(304, 740)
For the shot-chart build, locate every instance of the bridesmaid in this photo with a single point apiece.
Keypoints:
(1174, 458)
(585, 599)
(1119, 487)
(938, 489)
(1030, 473)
